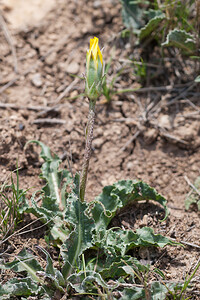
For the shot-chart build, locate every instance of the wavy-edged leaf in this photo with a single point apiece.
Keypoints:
(83, 281)
(54, 177)
(115, 267)
(156, 17)
(117, 196)
(157, 290)
(53, 217)
(119, 242)
(197, 79)
(20, 287)
(81, 227)
(181, 39)
(134, 293)
(24, 261)
(132, 15)
(53, 274)
(53, 196)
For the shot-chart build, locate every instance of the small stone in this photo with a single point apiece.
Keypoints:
(130, 166)
(36, 80)
(21, 126)
(73, 94)
(97, 143)
(96, 4)
(164, 121)
(150, 136)
(51, 59)
(188, 133)
(72, 68)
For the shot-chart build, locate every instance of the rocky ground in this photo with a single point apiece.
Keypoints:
(151, 134)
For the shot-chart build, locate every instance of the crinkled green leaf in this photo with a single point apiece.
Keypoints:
(134, 293)
(54, 195)
(83, 281)
(53, 176)
(119, 242)
(157, 291)
(148, 238)
(54, 218)
(181, 39)
(193, 197)
(20, 287)
(156, 18)
(112, 266)
(47, 211)
(117, 196)
(132, 15)
(53, 274)
(59, 231)
(81, 226)
(197, 79)
(24, 261)
(116, 268)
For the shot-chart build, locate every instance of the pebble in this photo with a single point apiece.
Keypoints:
(50, 60)
(164, 121)
(150, 136)
(37, 80)
(72, 68)
(130, 166)
(21, 126)
(97, 4)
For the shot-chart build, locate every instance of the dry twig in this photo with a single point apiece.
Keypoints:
(49, 121)
(16, 107)
(9, 40)
(192, 185)
(130, 141)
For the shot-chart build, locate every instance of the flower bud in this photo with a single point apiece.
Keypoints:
(94, 70)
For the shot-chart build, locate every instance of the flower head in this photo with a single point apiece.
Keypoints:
(94, 53)
(94, 70)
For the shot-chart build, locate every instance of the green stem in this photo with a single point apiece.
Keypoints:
(88, 148)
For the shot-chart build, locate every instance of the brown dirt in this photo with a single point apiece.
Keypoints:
(49, 54)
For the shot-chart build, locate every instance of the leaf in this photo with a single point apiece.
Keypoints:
(197, 79)
(24, 262)
(181, 39)
(53, 176)
(132, 15)
(121, 241)
(59, 231)
(20, 287)
(134, 293)
(54, 195)
(117, 196)
(83, 281)
(193, 197)
(81, 226)
(53, 274)
(158, 291)
(115, 266)
(154, 23)
(148, 238)
(27, 262)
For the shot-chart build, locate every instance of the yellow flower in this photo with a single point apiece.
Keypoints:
(94, 52)
(94, 70)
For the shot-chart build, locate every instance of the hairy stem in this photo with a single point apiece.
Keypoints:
(88, 148)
